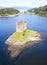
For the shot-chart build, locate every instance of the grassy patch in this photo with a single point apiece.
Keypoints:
(20, 37)
(28, 32)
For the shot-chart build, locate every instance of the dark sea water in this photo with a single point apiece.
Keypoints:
(33, 55)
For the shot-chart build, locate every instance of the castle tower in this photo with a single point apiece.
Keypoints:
(21, 25)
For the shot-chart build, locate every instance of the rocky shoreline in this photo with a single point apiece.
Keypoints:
(16, 50)
(17, 47)
(37, 14)
(10, 15)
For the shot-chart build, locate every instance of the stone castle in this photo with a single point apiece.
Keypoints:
(21, 25)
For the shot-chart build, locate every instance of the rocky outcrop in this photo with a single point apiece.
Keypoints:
(16, 47)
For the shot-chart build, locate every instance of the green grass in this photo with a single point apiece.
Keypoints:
(20, 37)
(28, 32)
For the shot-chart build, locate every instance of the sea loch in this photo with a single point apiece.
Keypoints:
(33, 54)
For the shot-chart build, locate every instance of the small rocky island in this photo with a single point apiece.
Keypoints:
(22, 38)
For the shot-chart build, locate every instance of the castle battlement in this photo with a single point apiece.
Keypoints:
(21, 25)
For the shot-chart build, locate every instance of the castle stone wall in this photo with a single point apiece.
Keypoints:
(21, 25)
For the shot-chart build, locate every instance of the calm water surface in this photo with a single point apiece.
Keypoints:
(33, 55)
